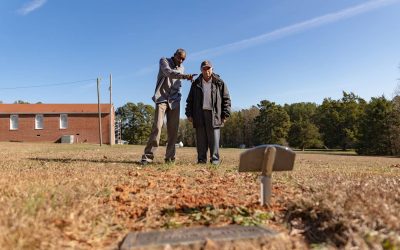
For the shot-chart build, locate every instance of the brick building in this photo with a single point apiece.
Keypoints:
(49, 122)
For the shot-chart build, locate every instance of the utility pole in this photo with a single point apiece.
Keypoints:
(98, 108)
(111, 114)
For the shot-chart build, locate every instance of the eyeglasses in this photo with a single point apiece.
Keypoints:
(180, 58)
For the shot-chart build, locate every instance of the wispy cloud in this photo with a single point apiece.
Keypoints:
(285, 31)
(31, 6)
(295, 28)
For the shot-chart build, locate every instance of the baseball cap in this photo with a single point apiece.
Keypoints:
(206, 64)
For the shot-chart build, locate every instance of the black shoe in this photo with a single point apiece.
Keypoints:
(144, 162)
(201, 162)
(169, 161)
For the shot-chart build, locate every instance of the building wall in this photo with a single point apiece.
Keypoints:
(84, 127)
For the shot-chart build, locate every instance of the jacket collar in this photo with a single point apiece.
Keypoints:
(215, 80)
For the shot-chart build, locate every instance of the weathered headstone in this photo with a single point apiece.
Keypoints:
(266, 159)
(194, 236)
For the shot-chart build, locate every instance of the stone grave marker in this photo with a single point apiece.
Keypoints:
(267, 159)
(197, 236)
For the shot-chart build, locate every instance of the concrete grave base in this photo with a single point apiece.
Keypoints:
(228, 237)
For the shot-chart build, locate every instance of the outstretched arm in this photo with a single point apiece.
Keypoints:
(175, 74)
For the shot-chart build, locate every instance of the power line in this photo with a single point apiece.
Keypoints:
(48, 85)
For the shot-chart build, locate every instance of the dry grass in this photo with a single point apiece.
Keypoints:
(56, 196)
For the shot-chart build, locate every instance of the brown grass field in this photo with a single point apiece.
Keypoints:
(55, 196)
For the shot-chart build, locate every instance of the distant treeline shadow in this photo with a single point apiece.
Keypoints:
(70, 160)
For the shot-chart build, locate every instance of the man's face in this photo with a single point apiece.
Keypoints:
(207, 72)
(179, 58)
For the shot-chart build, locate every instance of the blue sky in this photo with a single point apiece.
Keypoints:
(283, 51)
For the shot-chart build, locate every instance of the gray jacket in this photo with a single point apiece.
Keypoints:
(168, 87)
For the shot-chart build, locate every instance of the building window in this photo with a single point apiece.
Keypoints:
(13, 122)
(39, 122)
(63, 121)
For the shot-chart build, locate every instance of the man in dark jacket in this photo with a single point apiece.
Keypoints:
(167, 97)
(207, 107)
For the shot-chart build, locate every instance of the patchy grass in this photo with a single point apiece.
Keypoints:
(55, 196)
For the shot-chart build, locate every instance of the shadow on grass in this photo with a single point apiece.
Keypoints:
(337, 153)
(65, 160)
(187, 210)
(319, 224)
(347, 152)
(344, 153)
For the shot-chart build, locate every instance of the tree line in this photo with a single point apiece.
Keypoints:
(21, 102)
(371, 128)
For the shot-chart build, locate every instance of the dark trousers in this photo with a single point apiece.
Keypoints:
(207, 137)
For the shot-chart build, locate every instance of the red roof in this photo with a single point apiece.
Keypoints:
(53, 108)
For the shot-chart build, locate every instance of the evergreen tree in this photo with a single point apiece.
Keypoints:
(338, 121)
(328, 119)
(232, 132)
(374, 136)
(352, 108)
(303, 132)
(272, 124)
(249, 126)
(395, 123)
(239, 129)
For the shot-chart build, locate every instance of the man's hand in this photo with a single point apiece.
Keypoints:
(190, 119)
(190, 77)
(224, 120)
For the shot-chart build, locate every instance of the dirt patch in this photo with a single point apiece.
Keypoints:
(205, 198)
